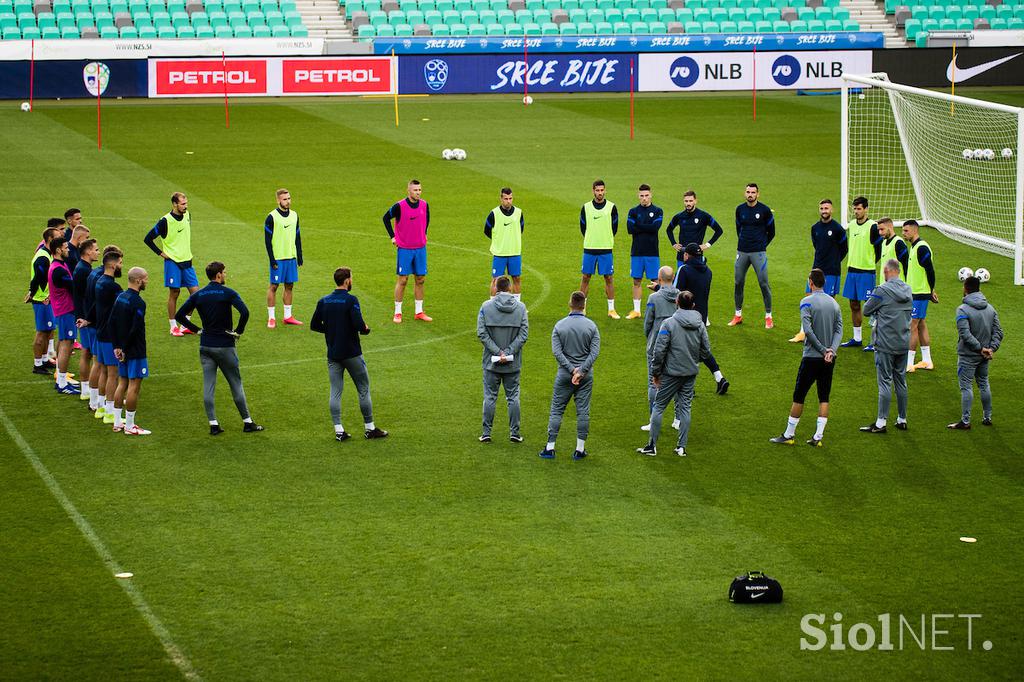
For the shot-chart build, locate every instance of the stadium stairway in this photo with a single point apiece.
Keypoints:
(323, 18)
(871, 16)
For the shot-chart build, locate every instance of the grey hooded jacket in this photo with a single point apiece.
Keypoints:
(977, 323)
(660, 306)
(575, 343)
(681, 346)
(502, 325)
(891, 304)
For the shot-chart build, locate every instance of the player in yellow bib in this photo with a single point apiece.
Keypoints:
(599, 221)
(284, 249)
(861, 263)
(921, 278)
(171, 239)
(504, 226)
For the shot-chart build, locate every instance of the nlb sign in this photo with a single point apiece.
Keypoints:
(744, 71)
(272, 76)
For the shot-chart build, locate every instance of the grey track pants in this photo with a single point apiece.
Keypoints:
(892, 373)
(679, 389)
(226, 360)
(492, 380)
(357, 370)
(968, 372)
(759, 260)
(563, 391)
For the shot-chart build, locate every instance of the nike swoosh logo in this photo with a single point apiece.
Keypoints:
(968, 73)
(759, 594)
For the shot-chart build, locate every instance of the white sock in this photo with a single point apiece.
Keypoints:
(580, 444)
(62, 379)
(247, 420)
(214, 422)
(108, 406)
(38, 362)
(287, 311)
(636, 305)
(856, 334)
(611, 304)
(173, 323)
(926, 353)
(901, 420)
(549, 447)
(118, 421)
(271, 313)
(338, 428)
(768, 316)
(739, 313)
(518, 297)
(129, 419)
(84, 385)
(94, 398)
(821, 427)
(369, 426)
(910, 358)
(791, 426)
(718, 375)
(398, 307)
(880, 423)
(419, 307)
(49, 348)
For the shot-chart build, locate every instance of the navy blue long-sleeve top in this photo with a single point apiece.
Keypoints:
(830, 246)
(693, 228)
(107, 291)
(340, 319)
(755, 227)
(214, 303)
(644, 223)
(128, 322)
(81, 277)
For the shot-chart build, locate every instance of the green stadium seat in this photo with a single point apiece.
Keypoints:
(798, 26)
(780, 26)
(413, 17)
(728, 27)
(815, 26)
(300, 31)
(603, 28)
(444, 6)
(702, 14)
(383, 31)
(937, 13)
(366, 31)
(710, 27)
(586, 28)
(692, 27)
(833, 25)
(204, 32)
(657, 27)
(549, 29)
(996, 24)
(241, 32)
(621, 28)
(666, 14)
(189, 32)
(920, 12)
(719, 14)
(772, 15)
(851, 25)
(146, 32)
(495, 30)
(469, 16)
(10, 33)
(513, 30)
(567, 28)
(745, 26)
(431, 17)
(460, 30)
(451, 17)
(541, 16)
(922, 39)
(595, 15)
(531, 29)
(477, 30)
(615, 16)
(488, 16)
(223, 32)
(563, 4)
(639, 28)
(506, 17)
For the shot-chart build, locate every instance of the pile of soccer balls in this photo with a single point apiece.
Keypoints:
(454, 154)
(980, 273)
(985, 154)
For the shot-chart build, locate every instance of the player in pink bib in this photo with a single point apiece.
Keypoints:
(61, 286)
(410, 218)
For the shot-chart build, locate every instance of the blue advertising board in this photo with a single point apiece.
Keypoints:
(75, 78)
(506, 73)
(842, 40)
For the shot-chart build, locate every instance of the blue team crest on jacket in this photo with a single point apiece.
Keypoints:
(435, 73)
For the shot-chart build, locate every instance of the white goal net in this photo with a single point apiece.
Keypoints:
(950, 162)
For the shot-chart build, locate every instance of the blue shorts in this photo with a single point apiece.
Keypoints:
(87, 337)
(176, 277)
(919, 309)
(136, 368)
(106, 353)
(512, 264)
(95, 345)
(287, 272)
(858, 285)
(604, 264)
(67, 330)
(44, 317)
(644, 266)
(831, 285)
(412, 261)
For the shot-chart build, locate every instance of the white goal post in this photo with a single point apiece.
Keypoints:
(950, 162)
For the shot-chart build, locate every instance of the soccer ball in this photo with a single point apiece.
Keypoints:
(965, 273)
(25, 106)
(982, 274)
(459, 154)
(1007, 153)
(989, 154)
(447, 155)
(979, 154)
(968, 154)
(527, 100)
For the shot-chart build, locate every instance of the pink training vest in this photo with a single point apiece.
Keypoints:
(411, 228)
(60, 299)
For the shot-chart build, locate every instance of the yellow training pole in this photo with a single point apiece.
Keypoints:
(394, 82)
(952, 91)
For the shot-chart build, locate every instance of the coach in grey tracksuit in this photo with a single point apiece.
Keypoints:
(682, 344)
(575, 343)
(660, 306)
(977, 325)
(890, 304)
(502, 327)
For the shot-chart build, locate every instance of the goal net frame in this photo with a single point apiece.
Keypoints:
(962, 233)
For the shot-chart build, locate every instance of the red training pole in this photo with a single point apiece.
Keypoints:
(224, 64)
(631, 99)
(526, 71)
(32, 76)
(99, 127)
(755, 82)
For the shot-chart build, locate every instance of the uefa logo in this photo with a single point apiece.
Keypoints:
(786, 70)
(435, 73)
(96, 76)
(684, 72)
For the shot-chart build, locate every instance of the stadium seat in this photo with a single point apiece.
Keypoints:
(798, 26)
(692, 27)
(781, 27)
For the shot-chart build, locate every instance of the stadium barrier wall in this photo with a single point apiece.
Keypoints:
(68, 79)
(504, 73)
(932, 67)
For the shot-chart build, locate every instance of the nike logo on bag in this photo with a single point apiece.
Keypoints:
(759, 594)
(968, 73)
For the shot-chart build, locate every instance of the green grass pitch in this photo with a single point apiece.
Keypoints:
(285, 555)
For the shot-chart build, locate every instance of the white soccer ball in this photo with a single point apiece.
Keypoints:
(989, 154)
(860, 96)
(968, 154)
(1007, 153)
(982, 274)
(25, 106)
(527, 100)
(965, 273)
(459, 154)
(447, 155)
(979, 154)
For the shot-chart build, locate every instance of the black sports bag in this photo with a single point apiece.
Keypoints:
(755, 587)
